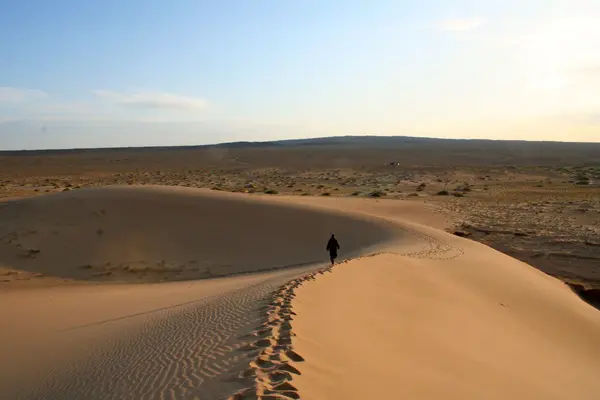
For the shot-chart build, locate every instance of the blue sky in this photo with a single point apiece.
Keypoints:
(134, 73)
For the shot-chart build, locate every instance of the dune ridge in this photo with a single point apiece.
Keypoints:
(274, 360)
(151, 234)
(471, 324)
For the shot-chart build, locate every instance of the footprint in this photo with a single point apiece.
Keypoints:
(292, 355)
(265, 342)
(288, 368)
(280, 376)
(285, 386)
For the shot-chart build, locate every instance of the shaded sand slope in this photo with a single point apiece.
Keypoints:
(474, 324)
(153, 234)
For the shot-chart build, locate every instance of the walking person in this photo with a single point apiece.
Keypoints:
(332, 247)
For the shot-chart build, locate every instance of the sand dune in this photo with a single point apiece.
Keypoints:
(415, 313)
(479, 325)
(122, 339)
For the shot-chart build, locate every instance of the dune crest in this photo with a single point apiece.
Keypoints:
(478, 325)
(149, 234)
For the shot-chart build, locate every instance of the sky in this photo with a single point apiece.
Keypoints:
(184, 72)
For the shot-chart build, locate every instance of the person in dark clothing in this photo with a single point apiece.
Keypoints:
(332, 248)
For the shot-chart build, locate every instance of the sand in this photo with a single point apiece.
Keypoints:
(469, 326)
(149, 292)
(145, 234)
(176, 293)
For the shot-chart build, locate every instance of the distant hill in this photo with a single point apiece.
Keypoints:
(378, 149)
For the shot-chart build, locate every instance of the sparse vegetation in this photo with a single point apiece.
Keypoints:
(377, 193)
(582, 180)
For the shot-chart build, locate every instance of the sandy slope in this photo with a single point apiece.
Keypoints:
(466, 322)
(158, 233)
(174, 340)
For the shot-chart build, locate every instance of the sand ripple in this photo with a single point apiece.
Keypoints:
(189, 352)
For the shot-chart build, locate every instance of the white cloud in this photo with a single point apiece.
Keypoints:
(461, 24)
(153, 100)
(17, 95)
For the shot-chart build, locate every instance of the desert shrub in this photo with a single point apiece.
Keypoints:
(442, 193)
(355, 193)
(377, 193)
(582, 182)
(326, 194)
(271, 191)
(582, 179)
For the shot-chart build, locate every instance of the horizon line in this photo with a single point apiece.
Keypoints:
(279, 142)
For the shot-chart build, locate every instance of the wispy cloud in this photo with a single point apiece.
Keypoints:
(16, 95)
(156, 100)
(461, 24)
